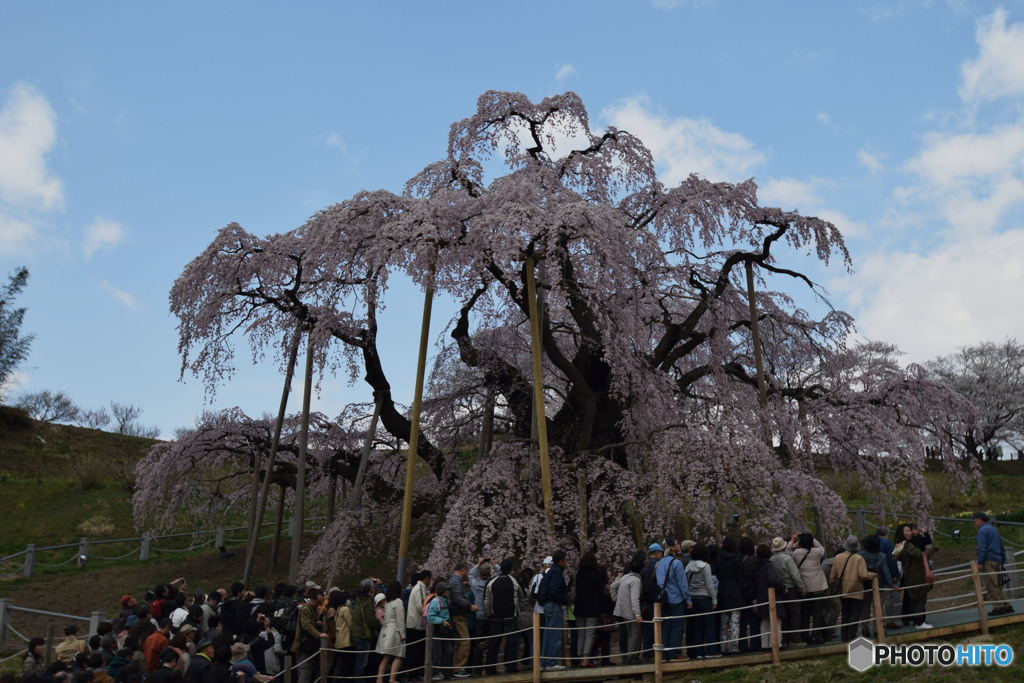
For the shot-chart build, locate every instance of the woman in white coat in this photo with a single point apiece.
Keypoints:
(391, 643)
(625, 592)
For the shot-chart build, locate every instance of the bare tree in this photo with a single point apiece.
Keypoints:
(49, 406)
(126, 416)
(93, 419)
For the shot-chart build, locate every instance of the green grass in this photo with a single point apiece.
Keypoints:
(56, 511)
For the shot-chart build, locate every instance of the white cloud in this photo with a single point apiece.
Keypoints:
(565, 72)
(15, 381)
(959, 281)
(15, 235)
(961, 293)
(119, 294)
(28, 130)
(332, 141)
(101, 233)
(790, 194)
(683, 145)
(998, 69)
(974, 179)
(823, 118)
(870, 161)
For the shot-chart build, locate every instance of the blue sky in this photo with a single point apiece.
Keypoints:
(131, 132)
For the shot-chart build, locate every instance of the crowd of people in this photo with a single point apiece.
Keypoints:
(713, 597)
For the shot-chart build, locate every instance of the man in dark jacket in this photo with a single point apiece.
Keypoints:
(501, 607)
(554, 595)
(167, 672)
(201, 662)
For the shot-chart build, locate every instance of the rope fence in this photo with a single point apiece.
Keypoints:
(142, 547)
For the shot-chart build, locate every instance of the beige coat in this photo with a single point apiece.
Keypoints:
(854, 577)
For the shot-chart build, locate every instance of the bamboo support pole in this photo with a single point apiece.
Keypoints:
(538, 391)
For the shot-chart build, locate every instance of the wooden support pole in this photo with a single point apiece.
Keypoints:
(332, 494)
(536, 648)
(876, 597)
(254, 499)
(414, 433)
(773, 620)
(982, 617)
(278, 523)
(428, 654)
(250, 548)
(538, 391)
(659, 645)
(300, 476)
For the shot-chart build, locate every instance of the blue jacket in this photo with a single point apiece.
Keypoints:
(887, 547)
(672, 577)
(553, 588)
(990, 545)
(437, 611)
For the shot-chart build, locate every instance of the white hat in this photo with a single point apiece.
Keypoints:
(549, 560)
(378, 598)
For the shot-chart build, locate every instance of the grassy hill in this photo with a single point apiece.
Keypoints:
(59, 482)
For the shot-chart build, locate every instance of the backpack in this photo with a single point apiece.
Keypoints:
(535, 587)
(542, 589)
(747, 580)
(649, 589)
(423, 617)
(290, 614)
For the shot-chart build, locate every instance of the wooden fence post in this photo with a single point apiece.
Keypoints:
(428, 654)
(876, 596)
(83, 553)
(982, 617)
(48, 647)
(94, 621)
(289, 662)
(219, 538)
(536, 648)
(144, 550)
(773, 620)
(30, 560)
(862, 526)
(324, 645)
(659, 644)
(5, 616)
